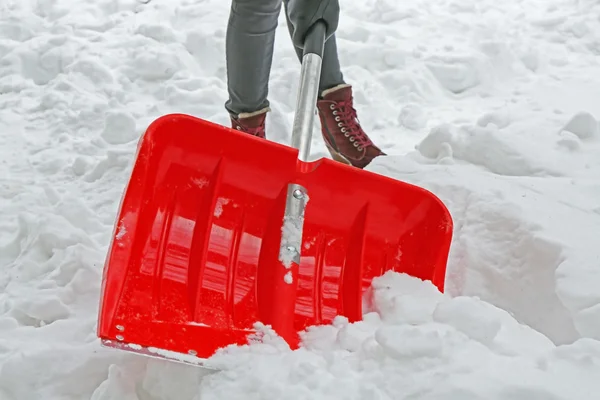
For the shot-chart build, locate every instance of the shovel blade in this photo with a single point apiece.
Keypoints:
(194, 260)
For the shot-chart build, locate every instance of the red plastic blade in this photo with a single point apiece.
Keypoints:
(194, 261)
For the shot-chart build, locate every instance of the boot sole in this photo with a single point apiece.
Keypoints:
(337, 156)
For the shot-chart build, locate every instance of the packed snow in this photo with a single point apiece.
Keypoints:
(491, 105)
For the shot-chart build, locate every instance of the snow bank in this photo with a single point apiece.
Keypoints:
(415, 343)
(493, 106)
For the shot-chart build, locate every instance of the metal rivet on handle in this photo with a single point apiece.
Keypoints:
(291, 249)
(298, 194)
(193, 352)
(120, 337)
(120, 328)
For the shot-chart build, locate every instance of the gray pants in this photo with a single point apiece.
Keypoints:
(249, 51)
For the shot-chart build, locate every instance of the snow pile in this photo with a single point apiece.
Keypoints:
(415, 343)
(493, 106)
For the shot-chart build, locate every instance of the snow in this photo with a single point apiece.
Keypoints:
(291, 229)
(493, 106)
(219, 206)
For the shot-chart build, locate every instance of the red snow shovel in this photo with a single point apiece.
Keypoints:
(219, 229)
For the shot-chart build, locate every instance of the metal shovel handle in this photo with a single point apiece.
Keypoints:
(308, 93)
(291, 239)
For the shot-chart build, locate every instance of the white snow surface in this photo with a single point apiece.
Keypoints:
(492, 105)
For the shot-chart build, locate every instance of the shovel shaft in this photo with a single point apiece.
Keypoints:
(286, 281)
(309, 90)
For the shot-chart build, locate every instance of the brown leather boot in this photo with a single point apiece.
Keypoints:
(251, 123)
(343, 135)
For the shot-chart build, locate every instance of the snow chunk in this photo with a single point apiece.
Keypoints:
(119, 128)
(584, 125)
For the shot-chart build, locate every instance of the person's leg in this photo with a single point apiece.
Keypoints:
(344, 137)
(249, 53)
(331, 73)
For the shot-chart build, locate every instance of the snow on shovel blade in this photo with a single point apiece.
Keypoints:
(196, 258)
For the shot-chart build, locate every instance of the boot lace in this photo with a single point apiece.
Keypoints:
(347, 120)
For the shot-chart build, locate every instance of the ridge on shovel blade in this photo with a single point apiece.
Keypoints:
(195, 257)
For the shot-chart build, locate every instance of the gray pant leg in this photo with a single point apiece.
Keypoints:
(331, 73)
(249, 53)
